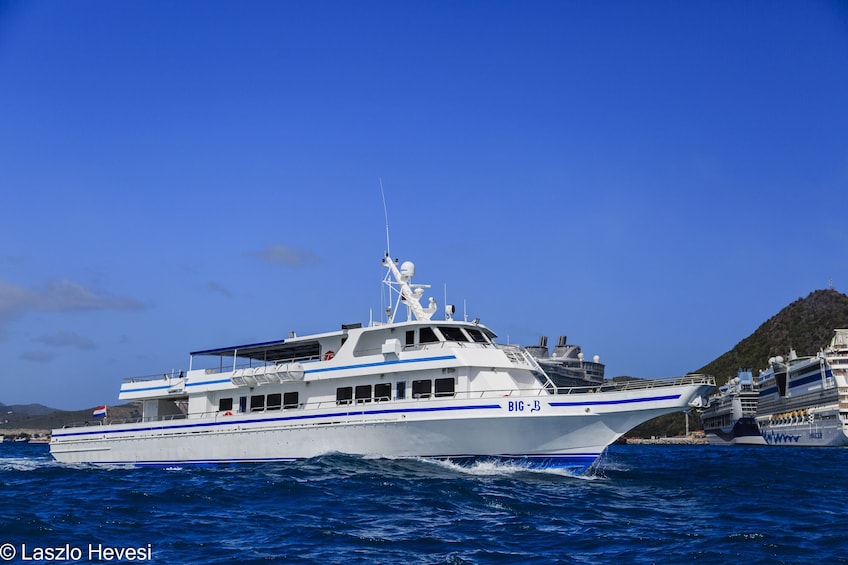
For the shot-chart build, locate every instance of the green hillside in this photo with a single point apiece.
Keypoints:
(806, 325)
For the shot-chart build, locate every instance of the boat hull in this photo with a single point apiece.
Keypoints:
(569, 431)
(744, 431)
(825, 432)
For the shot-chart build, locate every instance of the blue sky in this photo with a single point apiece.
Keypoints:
(652, 179)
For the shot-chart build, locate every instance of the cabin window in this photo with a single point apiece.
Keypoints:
(382, 392)
(242, 404)
(291, 400)
(427, 335)
(257, 403)
(400, 390)
(275, 401)
(225, 404)
(476, 335)
(452, 334)
(410, 337)
(344, 395)
(363, 393)
(445, 387)
(421, 389)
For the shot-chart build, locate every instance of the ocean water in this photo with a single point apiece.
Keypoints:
(642, 504)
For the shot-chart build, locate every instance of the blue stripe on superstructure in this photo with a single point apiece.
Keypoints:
(286, 418)
(216, 382)
(613, 402)
(817, 376)
(145, 388)
(381, 364)
(324, 370)
(798, 381)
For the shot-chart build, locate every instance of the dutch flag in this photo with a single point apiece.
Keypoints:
(99, 412)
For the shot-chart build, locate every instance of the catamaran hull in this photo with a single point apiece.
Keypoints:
(568, 431)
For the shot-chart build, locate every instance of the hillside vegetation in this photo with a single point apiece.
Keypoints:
(806, 325)
(42, 419)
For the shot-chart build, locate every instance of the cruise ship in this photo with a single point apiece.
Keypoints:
(804, 400)
(730, 416)
(566, 366)
(407, 386)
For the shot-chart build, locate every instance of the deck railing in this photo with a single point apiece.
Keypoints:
(355, 407)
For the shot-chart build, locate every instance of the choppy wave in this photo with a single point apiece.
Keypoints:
(639, 504)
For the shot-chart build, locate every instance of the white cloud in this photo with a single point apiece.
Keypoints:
(215, 287)
(285, 255)
(67, 339)
(58, 296)
(39, 356)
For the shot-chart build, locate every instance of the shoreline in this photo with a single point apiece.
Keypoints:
(666, 441)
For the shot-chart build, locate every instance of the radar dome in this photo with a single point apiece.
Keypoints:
(407, 270)
(597, 358)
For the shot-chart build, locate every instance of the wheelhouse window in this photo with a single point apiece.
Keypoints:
(225, 404)
(344, 395)
(421, 389)
(400, 390)
(275, 401)
(427, 335)
(410, 337)
(382, 392)
(452, 334)
(476, 335)
(445, 387)
(363, 394)
(290, 400)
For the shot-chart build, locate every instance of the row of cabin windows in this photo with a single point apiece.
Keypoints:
(382, 392)
(259, 402)
(360, 394)
(427, 334)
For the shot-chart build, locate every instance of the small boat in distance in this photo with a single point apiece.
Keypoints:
(729, 418)
(410, 386)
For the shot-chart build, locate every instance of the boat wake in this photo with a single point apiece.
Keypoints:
(497, 467)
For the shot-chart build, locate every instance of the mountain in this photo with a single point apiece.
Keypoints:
(43, 419)
(26, 409)
(805, 325)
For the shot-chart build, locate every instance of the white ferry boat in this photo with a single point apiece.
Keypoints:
(800, 399)
(400, 388)
(729, 418)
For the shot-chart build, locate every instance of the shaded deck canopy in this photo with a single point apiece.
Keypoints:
(269, 351)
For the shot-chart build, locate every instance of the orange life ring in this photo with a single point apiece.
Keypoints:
(329, 355)
(228, 413)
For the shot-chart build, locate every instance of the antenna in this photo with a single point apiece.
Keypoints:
(386, 213)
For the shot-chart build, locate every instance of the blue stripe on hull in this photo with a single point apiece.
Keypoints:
(577, 463)
(614, 402)
(228, 422)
